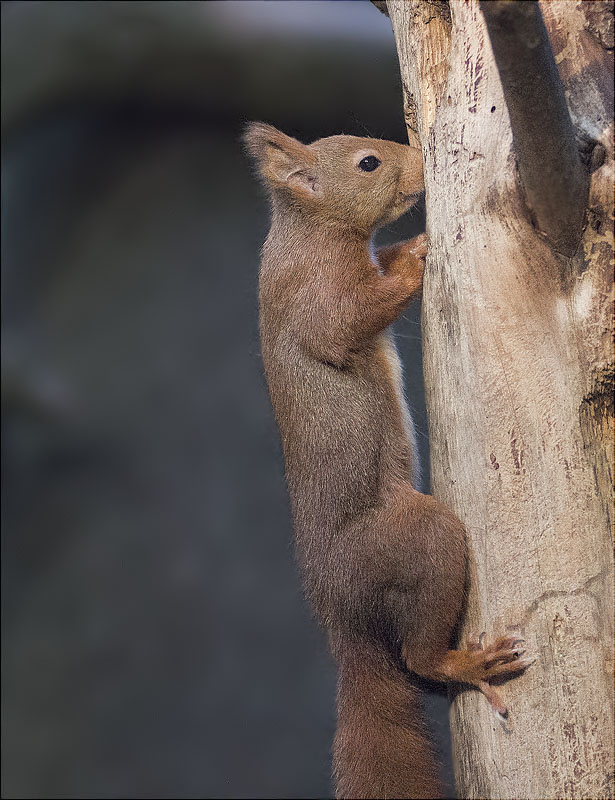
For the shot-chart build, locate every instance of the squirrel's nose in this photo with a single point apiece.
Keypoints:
(411, 181)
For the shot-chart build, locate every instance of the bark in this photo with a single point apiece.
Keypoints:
(550, 168)
(518, 364)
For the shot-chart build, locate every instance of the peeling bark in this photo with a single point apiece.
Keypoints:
(518, 358)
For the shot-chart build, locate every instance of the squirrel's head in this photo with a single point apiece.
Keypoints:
(355, 182)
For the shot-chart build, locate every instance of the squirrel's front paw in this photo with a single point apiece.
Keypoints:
(414, 252)
(417, 247)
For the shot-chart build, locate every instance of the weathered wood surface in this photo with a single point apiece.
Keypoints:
(553, 176)
(518, 366)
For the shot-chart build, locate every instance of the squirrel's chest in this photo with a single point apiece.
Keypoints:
(389, 367)
(400, 425)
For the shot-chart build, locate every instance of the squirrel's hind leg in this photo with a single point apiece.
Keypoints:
(426, 649)
(438, 544)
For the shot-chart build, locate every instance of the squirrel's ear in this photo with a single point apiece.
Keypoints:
(282, 161)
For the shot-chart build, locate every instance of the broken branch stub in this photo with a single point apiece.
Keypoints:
(552, 174)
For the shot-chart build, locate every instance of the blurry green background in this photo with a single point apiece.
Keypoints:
(155, 639)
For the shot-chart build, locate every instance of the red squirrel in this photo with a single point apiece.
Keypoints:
(384, 566)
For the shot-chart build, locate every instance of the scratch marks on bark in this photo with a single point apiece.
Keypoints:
(584, 589)
(474, 75)
(516, 449)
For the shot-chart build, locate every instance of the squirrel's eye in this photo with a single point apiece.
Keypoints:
(369, 163)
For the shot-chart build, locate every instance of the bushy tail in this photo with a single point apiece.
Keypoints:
(382, 748)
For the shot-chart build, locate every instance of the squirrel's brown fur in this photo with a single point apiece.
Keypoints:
(384, 565)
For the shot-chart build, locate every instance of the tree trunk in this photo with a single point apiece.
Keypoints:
(519, 377)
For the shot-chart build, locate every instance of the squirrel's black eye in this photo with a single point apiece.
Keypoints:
(369, 163)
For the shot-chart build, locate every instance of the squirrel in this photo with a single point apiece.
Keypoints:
(384, 566)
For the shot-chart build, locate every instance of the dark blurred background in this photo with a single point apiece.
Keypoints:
(155, 639)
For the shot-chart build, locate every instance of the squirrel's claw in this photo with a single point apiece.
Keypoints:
(494, 699)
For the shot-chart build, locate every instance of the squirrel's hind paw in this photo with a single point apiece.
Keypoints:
(500, 659)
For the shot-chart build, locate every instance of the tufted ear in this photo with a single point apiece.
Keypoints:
(282, 161)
